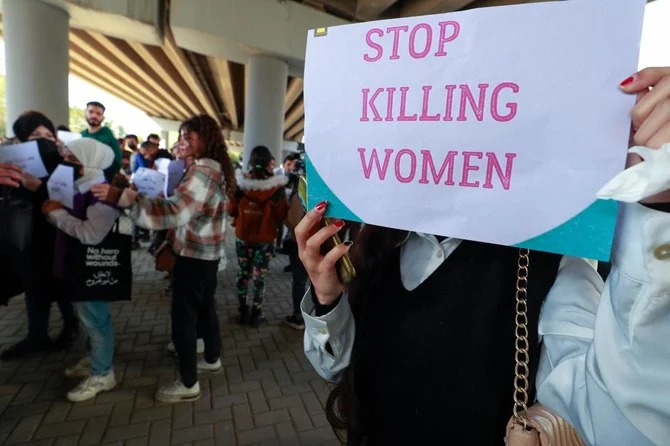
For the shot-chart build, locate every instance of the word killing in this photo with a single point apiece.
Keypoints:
(380, 104)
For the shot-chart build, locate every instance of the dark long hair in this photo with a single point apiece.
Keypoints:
(215, 147)
(370, 254)
(259, 161)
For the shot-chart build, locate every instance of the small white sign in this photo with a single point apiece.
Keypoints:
(61, 186)
(25, 155)
(149, 182)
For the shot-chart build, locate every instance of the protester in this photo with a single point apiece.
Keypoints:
(34, 267)
(421, 344)
(95, 116)
(257, 207)
(196, 213)
(87, 223)
(34, 125)
(299, 275)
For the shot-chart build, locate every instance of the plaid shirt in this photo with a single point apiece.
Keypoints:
(196, 212)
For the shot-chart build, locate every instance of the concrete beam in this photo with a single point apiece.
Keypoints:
(296, 113)
(138, 68)
(176, 56)
(295, 129)
(165, 70)
(143, 20)
(293, 91)
(236, 29)
(221, 72)
(105, 69)
(412, 8)
(371, 9)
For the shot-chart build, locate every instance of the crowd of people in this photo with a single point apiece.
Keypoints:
(189, 226)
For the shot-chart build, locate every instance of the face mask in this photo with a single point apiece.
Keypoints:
(75, 167)
(133, 146)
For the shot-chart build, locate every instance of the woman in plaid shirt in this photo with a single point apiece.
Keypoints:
(196, 212)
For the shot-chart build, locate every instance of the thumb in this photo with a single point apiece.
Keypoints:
(642, 80)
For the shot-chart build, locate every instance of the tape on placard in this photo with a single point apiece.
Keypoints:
(320, 32)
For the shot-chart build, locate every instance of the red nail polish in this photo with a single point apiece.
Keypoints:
(627, 81)
(339, 224)
(321, 206)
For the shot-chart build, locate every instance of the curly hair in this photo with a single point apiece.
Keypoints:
(211, 135)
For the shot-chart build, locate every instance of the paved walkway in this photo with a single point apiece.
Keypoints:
(268, 395)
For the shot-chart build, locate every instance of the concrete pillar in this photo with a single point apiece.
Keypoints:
(264, 105)
(165, 137)
(36, 54)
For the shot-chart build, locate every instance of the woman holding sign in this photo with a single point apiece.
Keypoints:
(34, 266)
(88, 222)
(422, 344)
(196, 212)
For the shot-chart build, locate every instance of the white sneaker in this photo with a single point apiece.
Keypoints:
(82, 369)
(200, 347)
(91, 386)
(178, 393)
(205, 366)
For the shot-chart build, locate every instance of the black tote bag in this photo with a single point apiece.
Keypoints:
(102, 272)
(16, 220)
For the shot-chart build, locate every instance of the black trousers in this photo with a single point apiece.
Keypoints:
(300, 277)
(193, 312)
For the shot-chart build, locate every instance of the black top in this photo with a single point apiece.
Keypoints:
(437, 363)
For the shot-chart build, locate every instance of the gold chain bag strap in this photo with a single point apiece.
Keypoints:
(537, 425)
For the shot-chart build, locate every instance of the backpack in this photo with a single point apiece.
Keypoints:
(255, 221)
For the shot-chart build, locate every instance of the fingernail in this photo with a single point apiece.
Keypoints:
(349, 243)
(629, 80)
(321, 206)
(339, 224)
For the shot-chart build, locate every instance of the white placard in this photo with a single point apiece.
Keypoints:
(175, 172)
(61, 185)
(149, 182)
(493, 124)
(68, 137)
(25, 155)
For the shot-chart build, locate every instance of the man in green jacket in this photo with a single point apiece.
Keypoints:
(95, 115)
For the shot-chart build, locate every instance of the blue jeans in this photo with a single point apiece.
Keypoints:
(97, 321)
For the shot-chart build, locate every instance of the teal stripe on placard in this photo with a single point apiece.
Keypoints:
(589, 234)
(318, 191)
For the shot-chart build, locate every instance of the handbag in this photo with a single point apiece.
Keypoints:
(102, 272)
(165, 258)
(537, 425)
(16, 220)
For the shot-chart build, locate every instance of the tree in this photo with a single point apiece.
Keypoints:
(77, 119)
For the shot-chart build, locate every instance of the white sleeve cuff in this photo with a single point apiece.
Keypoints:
(329, 325)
